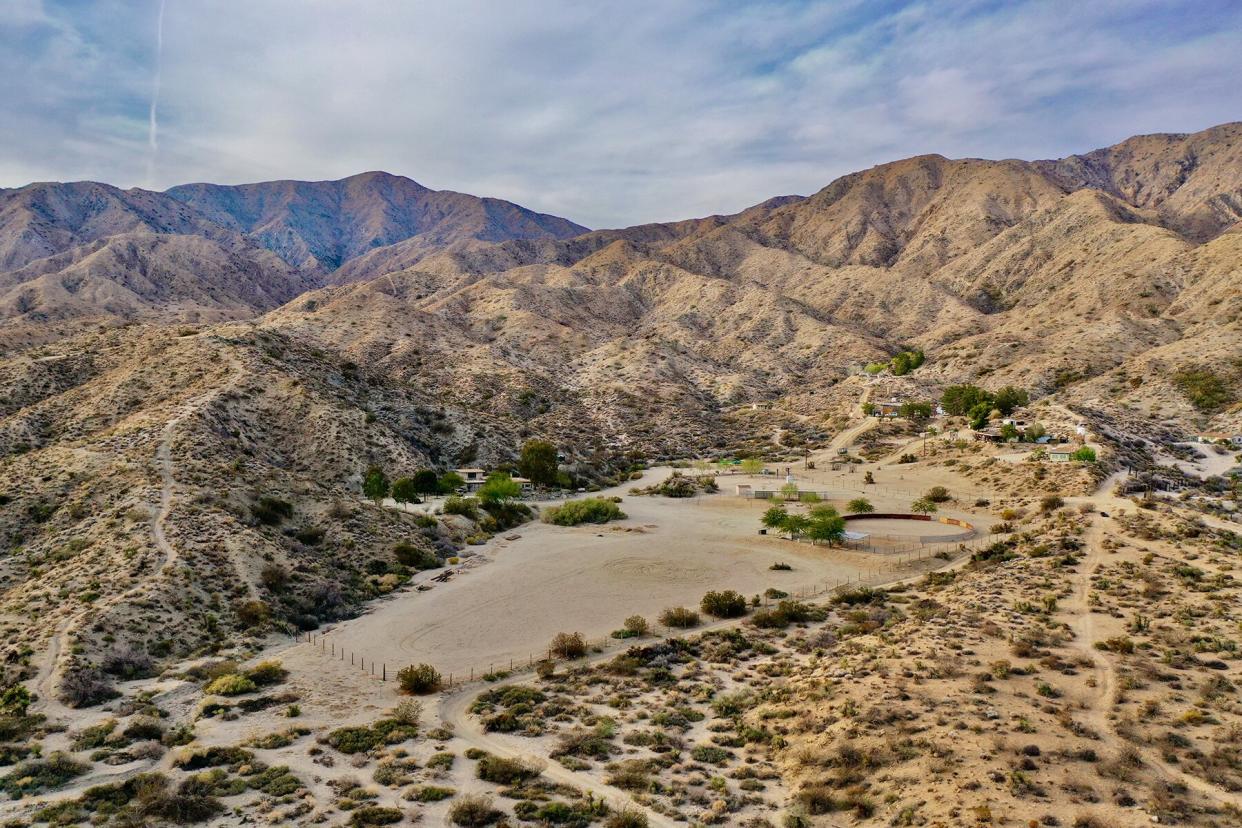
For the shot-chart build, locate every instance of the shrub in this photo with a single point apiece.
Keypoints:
(726, 604)
(267, 673)
(310, 535)
(629, 818)
(679, 617)
(271, 510)
(1051, 503)
(710, 754)
(364, 738)
(252, 613)
(407, 554)
(589, 510)
(633, 627)
(464, 506)
(231, 685)
(40, 774)
(474, 811)
(781, 566)
(275, 577)
(431, 793)
(1205, 390)
(860, 505)
(501, 771)
(375, 815)
(127, 663)
(938, 494)
(568, 646)
(86, 687)
(419, 679)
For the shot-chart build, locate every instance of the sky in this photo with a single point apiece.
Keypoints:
(607, 113)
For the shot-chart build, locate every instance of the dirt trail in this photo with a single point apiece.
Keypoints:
(51, 666)
(1087, 630)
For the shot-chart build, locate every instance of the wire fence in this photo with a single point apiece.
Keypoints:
(898, 563)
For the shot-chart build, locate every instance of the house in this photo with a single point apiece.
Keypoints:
(475, 478)
(988, 437)
(888, 408)
(527, 486)
(1062, 453)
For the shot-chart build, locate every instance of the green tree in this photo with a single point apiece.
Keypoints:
(405, 491)
(826, 526)
(868, 409)
(900, 364)
(375, 485)
(796, 525)
(979, 415)
(538, 462)
(451, 482)
(860, 506)
(774, 517)
(1009, 398)
(1034, 431)
(1009, 431)
(1086, 454)
(752, 466)
(790, 491)
(499, 489)
(958, 400)
(917, 411)
(425, 482)
(923, 506)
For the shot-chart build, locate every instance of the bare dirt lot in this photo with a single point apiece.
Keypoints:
(516, 594)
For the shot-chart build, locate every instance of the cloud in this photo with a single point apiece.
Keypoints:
(609, 113)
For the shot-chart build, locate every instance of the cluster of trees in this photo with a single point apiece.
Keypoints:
(900, 365)
(978, 404)
(822, 524)
(376, 485)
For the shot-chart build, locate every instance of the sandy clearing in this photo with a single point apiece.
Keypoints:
(551, 579)
(904, 528)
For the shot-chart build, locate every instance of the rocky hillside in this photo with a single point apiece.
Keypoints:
(80, 253)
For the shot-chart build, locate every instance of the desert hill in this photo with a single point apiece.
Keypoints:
(88, 252)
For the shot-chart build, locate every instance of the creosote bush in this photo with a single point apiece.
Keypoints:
(679, 617)
(725, 604)
(419, 679)
(568, 646)
(589, 510)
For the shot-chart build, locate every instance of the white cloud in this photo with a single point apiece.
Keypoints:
(608, 113)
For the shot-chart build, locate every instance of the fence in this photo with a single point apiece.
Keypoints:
(896, 562)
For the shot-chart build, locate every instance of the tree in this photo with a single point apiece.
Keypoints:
(868, 409)
(917, 411)
(923, 506)
(774, 517)
(979, 415)
(790, 491)
(538, 462)
(752, 466)
(425, 482)
(1034, 431)
(726, 604)
(959, 399)
(375, 485)
(796, 525)
(937, 494)
(405, 490)
(1086, 454)
(900, 364)
(1009, 398)
(860, 505)
(868, 478)
(1009, 431)
(826, 528)
(499, 489)
(451, 482)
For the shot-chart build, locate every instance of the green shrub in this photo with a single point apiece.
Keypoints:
(36, 775)
(588, 510)
(419, 679)
(231, 685)
(679, 617)
(726, 604)
(431, 793)
(710, 754)
(407, 554)
(463, 506)
(503, 771)
(1204, 388)
(267, 673)
(375, 815)
(362, 739)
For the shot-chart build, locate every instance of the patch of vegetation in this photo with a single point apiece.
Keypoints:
(35, 775)
(680, 618)
(1205, 389)
(726, 604)
(364, 738)
(588, 510)
(419, 679)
